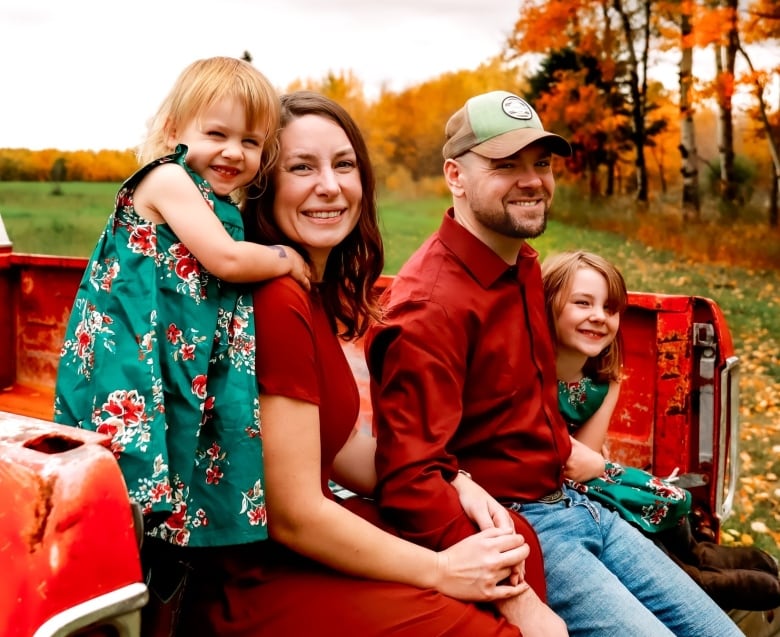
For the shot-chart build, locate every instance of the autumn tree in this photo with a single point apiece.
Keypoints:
(409, 125)
(616, 33)
(725, 51)
(575, 100)
(762, 24)
(634, 17)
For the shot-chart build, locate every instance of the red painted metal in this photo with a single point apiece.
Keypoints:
(66, 527)
(36, 296)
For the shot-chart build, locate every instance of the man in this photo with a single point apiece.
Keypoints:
(463, 379)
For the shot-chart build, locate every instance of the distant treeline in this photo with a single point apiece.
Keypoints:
(22, 164)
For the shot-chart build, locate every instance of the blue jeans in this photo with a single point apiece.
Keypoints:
(605, 578)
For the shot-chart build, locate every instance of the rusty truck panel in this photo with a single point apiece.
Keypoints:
(68, 542)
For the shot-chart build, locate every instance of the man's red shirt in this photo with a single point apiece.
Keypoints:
(463, 377)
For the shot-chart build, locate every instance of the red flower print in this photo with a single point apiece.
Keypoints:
(214, 475)
(117, 448)
(173, 334)
(123, 199)
(143, 240)
(257, 516)
(84, 341)
(109, 427)
(187, 352)
(199, 385)
(187, 266)
(177, 519)
(665, 489)
(657, 513)
(125, 405)
(160, 492)
(179, 250)
(213, 451)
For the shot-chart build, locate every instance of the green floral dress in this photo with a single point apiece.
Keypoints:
(159, 355)
(639, 497)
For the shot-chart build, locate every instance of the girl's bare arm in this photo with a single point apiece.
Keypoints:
(168, 195)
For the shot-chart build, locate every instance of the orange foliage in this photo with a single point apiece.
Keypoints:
(710, 25)
(543, 26)
(761, 21)
(21, 164)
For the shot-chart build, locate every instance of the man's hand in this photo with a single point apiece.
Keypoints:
(532, 616)
(481, 507)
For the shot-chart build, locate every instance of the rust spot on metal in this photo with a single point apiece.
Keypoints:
(678, 401)
(43, 506)
(27, 283)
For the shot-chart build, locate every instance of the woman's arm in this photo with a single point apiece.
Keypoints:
(301, 517)
(593, 433)
(168, 195)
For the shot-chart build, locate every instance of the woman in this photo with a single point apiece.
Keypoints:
(326, 570)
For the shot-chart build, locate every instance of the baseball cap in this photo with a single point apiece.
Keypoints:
(496, 125)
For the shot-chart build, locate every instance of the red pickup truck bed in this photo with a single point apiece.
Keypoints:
(677, 410)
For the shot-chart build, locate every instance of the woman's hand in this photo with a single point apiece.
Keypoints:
(486, 512)
(478, 567)
(481, 507)
(583, 464)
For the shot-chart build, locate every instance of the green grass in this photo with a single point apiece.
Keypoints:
(69, 224)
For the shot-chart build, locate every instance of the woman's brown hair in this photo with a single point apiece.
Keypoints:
(356, 263)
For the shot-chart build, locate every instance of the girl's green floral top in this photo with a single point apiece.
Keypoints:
(159, 354)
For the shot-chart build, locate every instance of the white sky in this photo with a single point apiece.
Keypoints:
(87, 74)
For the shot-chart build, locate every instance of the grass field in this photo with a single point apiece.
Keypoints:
(69, 224)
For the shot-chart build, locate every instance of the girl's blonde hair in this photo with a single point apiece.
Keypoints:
(557, 275)
(204, 83)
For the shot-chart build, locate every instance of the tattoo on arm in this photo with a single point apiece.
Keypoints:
(280, 250)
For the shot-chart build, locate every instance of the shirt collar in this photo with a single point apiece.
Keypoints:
(483, 264)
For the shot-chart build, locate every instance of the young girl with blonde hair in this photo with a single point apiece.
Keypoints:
(585, 296)
(159, 351)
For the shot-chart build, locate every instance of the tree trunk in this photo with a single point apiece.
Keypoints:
(773, 222)
(689, 166)
(611, 166)
(773, 149)
(638, 93)
(725, 61)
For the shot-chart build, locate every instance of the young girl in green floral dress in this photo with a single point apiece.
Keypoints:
(585, 295)
(159, 349)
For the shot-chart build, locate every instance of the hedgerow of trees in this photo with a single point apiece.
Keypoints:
(587, 66)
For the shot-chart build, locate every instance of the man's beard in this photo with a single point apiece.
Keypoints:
(503, 223)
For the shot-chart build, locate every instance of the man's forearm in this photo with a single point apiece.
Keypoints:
(532, 616)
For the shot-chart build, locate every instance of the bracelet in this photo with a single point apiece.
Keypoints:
(465, 473)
